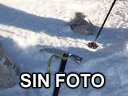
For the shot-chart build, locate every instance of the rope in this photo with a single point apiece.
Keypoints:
(99, 32)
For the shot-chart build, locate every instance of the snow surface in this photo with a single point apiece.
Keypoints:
(26, 26)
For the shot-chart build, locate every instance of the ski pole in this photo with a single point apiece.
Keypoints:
(99, 32)
(93, 44)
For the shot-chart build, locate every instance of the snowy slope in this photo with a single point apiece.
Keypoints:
(29, 25)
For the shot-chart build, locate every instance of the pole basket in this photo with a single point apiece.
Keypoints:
(93, 45)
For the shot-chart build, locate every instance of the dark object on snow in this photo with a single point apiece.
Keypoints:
(79, 25)
(61, 70)
(93, 45)
(59, 55)
(64, 59)
(54, 51)
(99, 32)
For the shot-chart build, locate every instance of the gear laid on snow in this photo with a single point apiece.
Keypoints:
(79, 25)
(99, 32)
(8, 71)
(59, 54)
(61, 70)
(93, 45)
(64, 56)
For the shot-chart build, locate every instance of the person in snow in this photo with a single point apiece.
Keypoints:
(8, 71)
(79, 25)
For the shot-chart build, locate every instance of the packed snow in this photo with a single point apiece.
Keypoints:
(26, 26)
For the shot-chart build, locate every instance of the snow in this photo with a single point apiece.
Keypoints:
(26, 26)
